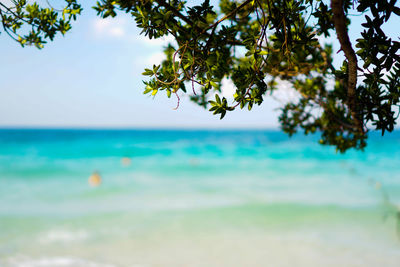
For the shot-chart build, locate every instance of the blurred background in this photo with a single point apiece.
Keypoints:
(94, 173)
(195, 198)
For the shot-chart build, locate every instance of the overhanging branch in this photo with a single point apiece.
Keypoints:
(339, 21)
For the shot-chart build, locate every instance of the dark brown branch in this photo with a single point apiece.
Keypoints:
(5, 26)
(175, 11)
(233, 12)
(339, 21)
(9, 10)
(188, 21)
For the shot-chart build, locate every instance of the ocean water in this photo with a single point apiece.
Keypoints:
(196, 198)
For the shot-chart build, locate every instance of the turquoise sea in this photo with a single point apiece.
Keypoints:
(196, 198)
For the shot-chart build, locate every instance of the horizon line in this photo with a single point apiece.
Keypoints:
(23, 127)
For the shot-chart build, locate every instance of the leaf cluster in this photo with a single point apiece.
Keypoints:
(30, 24)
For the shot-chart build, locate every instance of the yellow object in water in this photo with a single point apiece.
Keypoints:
(125, 161)
(94, 179)
(378, 185)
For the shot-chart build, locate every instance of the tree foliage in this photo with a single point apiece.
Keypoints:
(30, 24)
(258, 44)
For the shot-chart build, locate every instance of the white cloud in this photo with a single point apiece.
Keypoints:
(228, 88)
(155, 58)
(154, 47)
(141, 62)
(285, 92)
(109, 27)
(7, 3)
(161, 42)
(122, 28)
(10, 3)
(147, 61)
(117, 31)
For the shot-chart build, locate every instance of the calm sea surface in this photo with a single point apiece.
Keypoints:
(196, 198)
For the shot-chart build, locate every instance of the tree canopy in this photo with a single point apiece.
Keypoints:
(257, 44)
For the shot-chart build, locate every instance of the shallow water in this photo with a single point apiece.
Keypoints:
(195, 198)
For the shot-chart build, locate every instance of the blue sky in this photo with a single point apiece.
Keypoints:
(91, 77)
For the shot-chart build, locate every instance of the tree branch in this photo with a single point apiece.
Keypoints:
(175, 11)
(339, 21)
(188, 21)
(233, 12)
